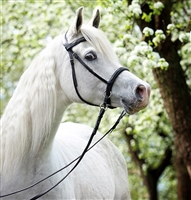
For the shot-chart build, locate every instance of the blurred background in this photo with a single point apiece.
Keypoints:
(153, 39)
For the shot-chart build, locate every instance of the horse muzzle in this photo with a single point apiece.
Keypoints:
(139, 99)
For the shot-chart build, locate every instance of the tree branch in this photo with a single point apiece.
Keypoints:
(165, 162)
(134, 154)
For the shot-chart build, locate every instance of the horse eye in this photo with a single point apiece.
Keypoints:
(90, 56)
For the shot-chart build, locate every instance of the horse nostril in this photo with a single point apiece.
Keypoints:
(140, 91)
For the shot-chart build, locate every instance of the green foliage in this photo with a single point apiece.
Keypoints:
(147, 17)
(27, 26)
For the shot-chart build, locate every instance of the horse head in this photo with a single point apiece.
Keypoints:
(90, 45)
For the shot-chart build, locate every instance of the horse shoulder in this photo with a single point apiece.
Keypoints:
(74, 138)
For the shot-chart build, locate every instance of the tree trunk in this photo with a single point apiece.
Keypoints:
(152, 183)
(177, 102)
(184, 183)
(176, 97)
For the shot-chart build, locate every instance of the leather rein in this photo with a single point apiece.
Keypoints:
(103, 107)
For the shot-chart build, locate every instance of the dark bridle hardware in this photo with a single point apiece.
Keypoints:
(103, 107)
(107, 99)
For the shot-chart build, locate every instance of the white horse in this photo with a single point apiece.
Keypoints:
(32, 146)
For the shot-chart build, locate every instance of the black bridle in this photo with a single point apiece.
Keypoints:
(106, 104)
(107, 99)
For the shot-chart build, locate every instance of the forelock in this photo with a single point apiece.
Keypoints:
(99, 41)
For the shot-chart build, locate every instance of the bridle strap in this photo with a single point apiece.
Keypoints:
(107, 99)
(88, 68)
(75, 82)
(110, 83)
(68, 47)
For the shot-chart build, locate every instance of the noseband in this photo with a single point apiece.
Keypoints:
(107, 99)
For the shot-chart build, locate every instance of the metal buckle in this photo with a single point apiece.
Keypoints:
(103, 106)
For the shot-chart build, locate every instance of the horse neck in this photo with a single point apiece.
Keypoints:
(33, 114)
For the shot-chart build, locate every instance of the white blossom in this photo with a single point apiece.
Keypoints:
(118, 43)
(162, 36)
(149, 63)
(155, 56)
(156, 40)
(158, 5)
(162, 63)
(146, 49)
(148, 31)
(135, 51)
(127, 37)
(120, 50)
(159, 32)
(159, 36)
(135, 9)
(132, 60)
(171, 27)
(128, 130)
(143, 43)
(185, 37)
(135, 2)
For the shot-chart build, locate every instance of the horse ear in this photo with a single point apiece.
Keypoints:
(77, 23)
(95, 20)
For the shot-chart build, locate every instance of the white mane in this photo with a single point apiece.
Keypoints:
(27, 119)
